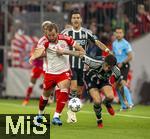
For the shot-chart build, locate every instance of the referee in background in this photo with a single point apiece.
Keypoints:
(123, 52)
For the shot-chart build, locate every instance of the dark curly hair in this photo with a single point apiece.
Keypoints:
(74, 11)
(111, 60)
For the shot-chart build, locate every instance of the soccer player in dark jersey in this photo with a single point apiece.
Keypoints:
(82, 36)
(97, 79)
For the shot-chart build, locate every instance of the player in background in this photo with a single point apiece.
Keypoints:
(57, 72)
(82, 36)
(97, 79)
(123, 53)
(37, 69)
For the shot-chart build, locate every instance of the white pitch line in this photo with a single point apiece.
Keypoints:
(87, 112)
(133, 116)
(21, 106)
(122, 115)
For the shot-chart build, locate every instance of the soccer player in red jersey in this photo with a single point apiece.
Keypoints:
(57, 72)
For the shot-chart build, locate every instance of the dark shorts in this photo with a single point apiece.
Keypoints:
(95, 82)
(77, 74)
(125, 70)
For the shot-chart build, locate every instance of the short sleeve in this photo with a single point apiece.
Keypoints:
(42, 42)
(91, 36)
(70, 41)
(129, 48)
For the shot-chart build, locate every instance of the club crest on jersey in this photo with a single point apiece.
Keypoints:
(62, 46)
(52, 46)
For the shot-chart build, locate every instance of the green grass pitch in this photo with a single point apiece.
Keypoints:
(133, 124)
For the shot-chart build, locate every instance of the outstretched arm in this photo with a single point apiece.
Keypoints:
(102, 46)
(91, 62)
(79, 51)
(70, 52)
(79, 48)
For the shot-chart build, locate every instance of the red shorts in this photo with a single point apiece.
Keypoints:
(36, 72)
(51, 80)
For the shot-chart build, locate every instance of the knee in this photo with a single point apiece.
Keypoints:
(110, 96)
(46, 93)
(67, 86)
(80, 90)
(97, 100)
(73, 87)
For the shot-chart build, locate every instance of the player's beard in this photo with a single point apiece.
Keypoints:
(76, 25)
(119, 38)
(53, 41)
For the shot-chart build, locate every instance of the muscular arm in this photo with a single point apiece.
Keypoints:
(38, 52)
(79, 52)
(73, 53)
(102, 46)
(129, 58)
(79, 48)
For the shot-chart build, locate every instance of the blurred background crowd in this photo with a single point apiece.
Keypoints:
(101, 17)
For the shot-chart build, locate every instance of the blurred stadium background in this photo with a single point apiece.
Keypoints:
(20, 28)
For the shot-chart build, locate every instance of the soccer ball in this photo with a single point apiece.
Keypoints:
(74, 104)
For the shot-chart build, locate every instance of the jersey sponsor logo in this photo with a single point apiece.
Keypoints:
(81, 42)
